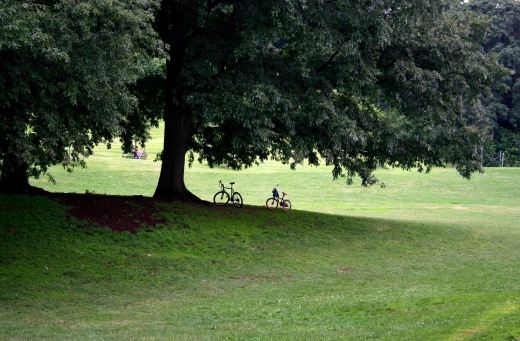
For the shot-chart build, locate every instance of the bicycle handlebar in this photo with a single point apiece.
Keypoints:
(222, 185)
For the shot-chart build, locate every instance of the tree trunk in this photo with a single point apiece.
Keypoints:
(177, 130)
(173, 21)
(14, 173)
(13, 177)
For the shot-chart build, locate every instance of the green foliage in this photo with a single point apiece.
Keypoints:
(299, 80)
(507, 142)
(502, 105)
(64, 73)
(149, 91)
(503, 39)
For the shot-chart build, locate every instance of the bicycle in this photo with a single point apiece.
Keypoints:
(222, 197)
(273, 202)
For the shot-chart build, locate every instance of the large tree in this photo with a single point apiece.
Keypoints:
(350, 83)
(65, 71)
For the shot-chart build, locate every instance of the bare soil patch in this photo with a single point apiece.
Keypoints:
(119, 213)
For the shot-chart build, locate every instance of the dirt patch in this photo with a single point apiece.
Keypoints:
(119, 213)
(347, 269)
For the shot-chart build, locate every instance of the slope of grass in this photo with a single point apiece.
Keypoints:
(429, 257)
(214, 274)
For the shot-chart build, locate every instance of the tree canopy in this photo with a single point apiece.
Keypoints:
(352, 84)
(346, 83)
(65, 70)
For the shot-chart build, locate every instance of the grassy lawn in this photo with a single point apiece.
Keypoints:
(428, 257)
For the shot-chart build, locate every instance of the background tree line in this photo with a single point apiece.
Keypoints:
(502, 105)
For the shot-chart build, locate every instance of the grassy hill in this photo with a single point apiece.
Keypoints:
(428, 257)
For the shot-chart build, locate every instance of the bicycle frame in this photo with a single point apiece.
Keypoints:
(274, 201)
(222, 197)
(282, 200)
(230, 188)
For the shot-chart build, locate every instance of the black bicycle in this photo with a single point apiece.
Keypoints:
(222, 197)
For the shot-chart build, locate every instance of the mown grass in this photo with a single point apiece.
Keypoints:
(429, 257)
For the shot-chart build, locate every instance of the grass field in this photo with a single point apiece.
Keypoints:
(428, 257)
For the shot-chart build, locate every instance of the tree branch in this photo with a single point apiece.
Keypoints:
(328, 62)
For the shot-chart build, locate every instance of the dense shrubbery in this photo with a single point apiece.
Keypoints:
(507, 142)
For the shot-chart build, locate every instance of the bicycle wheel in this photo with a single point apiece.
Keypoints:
(221, 198)
(271, 203)
(286, 206)
(237, 200)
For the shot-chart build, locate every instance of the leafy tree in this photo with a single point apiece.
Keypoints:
(65, 70)
(353, 84)
(503, 39)
(148, 89)
(503, 103)
(503, 150)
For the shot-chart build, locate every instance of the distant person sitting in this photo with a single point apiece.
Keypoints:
(139, 153)
(134, 153)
